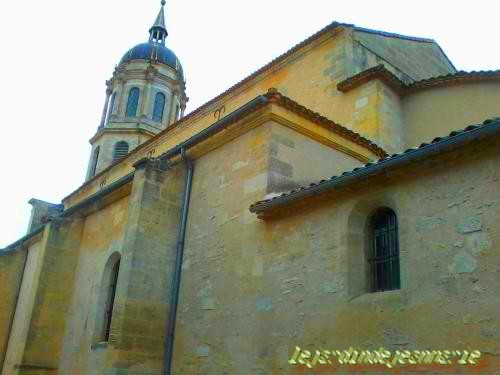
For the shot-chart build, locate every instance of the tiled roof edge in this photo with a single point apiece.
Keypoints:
(381, 72)
(437, 145)
(317, 118)
(458, 76)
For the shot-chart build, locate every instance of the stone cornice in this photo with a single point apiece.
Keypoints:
(105, 130)
(142, 75)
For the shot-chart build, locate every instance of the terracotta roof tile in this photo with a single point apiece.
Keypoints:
(325, 122)
(460, 76)
(382, 73)
(259, 206)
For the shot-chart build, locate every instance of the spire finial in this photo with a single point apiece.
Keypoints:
(158, 32)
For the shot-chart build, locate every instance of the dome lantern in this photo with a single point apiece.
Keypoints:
(158, 32)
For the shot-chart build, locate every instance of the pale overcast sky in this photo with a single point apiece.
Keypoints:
(55, 56)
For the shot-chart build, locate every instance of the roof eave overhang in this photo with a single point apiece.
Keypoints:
(442, 146)
(391, 80)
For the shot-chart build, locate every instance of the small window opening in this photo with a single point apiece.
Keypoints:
(159, 107)
(133, 102)
(384, 260)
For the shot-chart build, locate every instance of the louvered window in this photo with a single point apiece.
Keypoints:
(159, 107)
(384, 261)
(121, 149)
(133, 102)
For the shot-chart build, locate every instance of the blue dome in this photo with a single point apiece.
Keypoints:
(155, 52)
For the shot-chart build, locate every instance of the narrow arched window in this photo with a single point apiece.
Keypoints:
(177, 112)
(111, 106)
(159, 107)
(133, 102)
(384, 260)
(110, 300)
(121, 149)
(95, 159)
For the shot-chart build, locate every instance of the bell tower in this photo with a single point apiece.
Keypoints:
(145, 95)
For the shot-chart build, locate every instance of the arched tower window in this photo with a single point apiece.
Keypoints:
(95, 159)
(111, 106)
(121, 149)
(384, 259)
(133, 102)
(159, 107)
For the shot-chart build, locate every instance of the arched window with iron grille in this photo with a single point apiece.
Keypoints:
(133, 102)
(384, 259)
(159, 107)
(121, 149)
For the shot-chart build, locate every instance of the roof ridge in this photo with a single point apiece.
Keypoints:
(394, 35)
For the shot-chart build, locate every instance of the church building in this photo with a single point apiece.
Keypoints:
(345, 195)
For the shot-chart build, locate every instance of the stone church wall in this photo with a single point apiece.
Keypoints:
(11, 271)
(449, 108)
(252, 290)
(102, 236)
(296, 160)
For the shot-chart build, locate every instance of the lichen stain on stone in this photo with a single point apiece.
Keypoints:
(264, 304)
(478, 243)
(470, 224)
(463, 263)
(426, 223)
